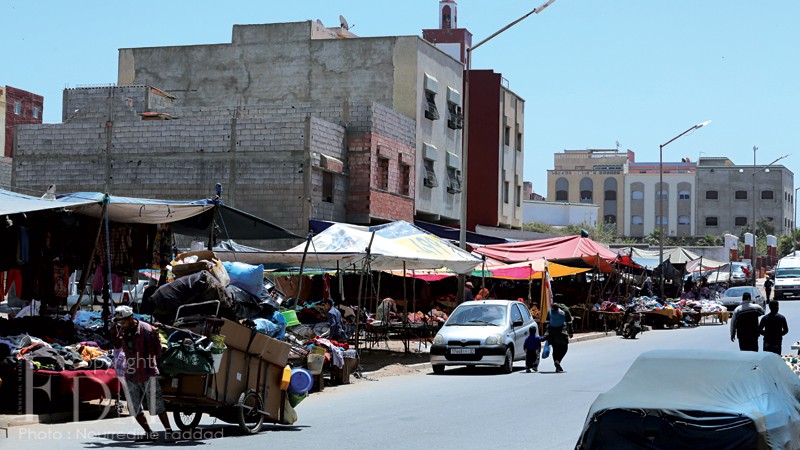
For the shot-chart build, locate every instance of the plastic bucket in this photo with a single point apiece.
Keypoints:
(291, 317)
(318, 350)
(315, 363)
(295, 399)
(301, 381)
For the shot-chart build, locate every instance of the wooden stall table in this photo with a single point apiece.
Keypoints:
(609, 316)
(720, 316)
(666, 316)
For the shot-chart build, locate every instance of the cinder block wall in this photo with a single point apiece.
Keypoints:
(266, 157)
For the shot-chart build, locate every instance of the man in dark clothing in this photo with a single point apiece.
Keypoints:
(773, 327)
(559, 330)
(744, 323)
(335, 322)
(468, 295)
(768, 283)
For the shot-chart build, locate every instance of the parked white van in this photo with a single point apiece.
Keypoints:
(787, 278)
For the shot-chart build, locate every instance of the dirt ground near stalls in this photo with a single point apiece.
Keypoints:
(389, 358)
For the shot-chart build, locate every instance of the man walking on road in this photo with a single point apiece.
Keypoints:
(559, 331)
(773, 327)
(142, 352)
(768, 283)
(744, 323)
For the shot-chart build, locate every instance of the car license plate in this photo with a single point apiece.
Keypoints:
(462, 351)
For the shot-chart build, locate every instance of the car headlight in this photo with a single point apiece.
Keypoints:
(438, 339)
(494, 339)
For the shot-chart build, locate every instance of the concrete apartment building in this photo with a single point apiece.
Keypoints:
(727, 194)
(496, 132)
(642, 199)
(366, 115)
(713, 196)
(286, 164)
(17, 107)
(292, 64)
(591, 176)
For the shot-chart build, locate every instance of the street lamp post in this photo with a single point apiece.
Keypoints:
(755, 235)
(794, 223)
(462, 235)
(661, 200)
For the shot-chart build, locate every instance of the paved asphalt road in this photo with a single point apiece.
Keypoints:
(463, 409)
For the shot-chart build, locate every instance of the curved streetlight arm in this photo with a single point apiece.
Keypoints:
(699, 125)
(536, 10)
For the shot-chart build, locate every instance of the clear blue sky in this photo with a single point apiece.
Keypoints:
(592, 72)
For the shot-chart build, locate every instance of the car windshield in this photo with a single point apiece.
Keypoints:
(787, 273)
(478, 315)
(736, 291)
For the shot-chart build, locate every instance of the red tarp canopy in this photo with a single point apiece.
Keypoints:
(568, 250)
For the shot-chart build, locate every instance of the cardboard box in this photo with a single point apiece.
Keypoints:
(237, 336)
(275, 351)
(275, 396)
(241, 338)
(185, 385)
(236, 374)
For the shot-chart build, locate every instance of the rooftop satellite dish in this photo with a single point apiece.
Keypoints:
(319, 22)
(343, 22)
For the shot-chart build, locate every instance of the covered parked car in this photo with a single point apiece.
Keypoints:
(482, 333)
(732, 297)
(720, 400)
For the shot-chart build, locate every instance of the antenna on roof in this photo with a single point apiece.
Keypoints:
(343, 22)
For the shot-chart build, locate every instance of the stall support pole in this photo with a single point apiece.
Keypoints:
(302, 266)
(360, 284)
(107, 286)
(82, 283)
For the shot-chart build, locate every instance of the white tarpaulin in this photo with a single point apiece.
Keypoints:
(343, 245)
(137, 210)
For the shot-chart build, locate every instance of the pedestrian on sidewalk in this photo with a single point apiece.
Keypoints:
(773, 327)
(768, 283)
(142, 354)
(533, 350)
(744, 324)
(559, 330)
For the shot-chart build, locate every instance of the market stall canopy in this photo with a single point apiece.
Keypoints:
(723, 387)
(449, 233)
(650, 258)
(189, 217)
(15, 203)
(534, 270)
(575, 251)
(702, 264)
(342, 245)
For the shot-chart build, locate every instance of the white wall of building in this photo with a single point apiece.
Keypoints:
(559, 213)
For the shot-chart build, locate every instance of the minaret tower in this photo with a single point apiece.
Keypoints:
(448, 37)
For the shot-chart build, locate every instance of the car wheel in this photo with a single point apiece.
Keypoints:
(508, 364)
(438, 369)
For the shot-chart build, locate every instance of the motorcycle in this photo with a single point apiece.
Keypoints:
(631, 323)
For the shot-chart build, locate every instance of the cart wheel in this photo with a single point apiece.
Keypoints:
(248, 407)
(186, 421)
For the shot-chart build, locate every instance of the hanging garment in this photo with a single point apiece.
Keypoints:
(60, 280)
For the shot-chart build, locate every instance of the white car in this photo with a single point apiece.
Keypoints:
(483, 333)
